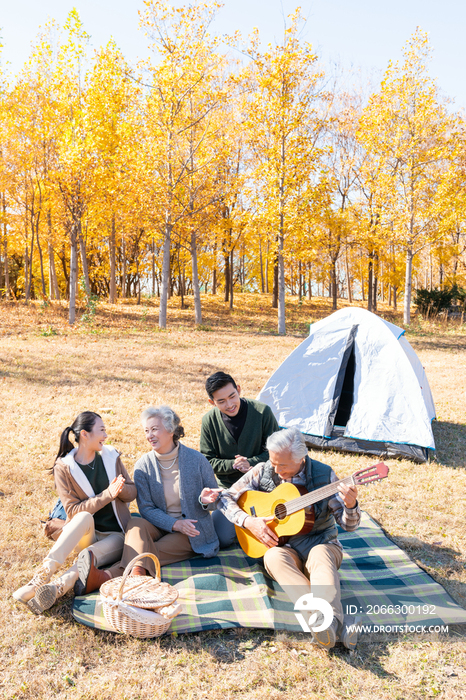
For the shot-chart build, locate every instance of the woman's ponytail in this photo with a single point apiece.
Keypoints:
(65, 443)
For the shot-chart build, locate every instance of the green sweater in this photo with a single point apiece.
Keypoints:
(220, 447)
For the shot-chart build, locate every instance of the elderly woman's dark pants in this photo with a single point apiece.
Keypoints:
(141, 536)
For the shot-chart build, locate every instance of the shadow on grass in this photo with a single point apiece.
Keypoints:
(430, 557)
(128, 371)
(428, 340)
(450, 441)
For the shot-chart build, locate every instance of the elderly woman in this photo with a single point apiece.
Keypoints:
(176, 488)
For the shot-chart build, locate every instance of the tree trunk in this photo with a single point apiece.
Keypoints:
(281, 289)
(196, 289)
(275, 284)
(112, 251)
(53, 283)
(73, 272)
(408, 283)
(181, 287)
(153, 267)
(267, 267)
(431, 271)
(232, 278)
(6, 270)
(82, 249)
(309, 281)
(394, 297)
(214, 271)
(123, 268)
(41, 259)
(261, 266)
(334, 285)
(226, 259)
(376, 276)
(165, 277)
(369, 283)
(28, 276)
(348, 280)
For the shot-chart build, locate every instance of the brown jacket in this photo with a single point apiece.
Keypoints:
(77, 495)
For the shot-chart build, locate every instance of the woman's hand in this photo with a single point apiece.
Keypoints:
(186, 527)
(209, 495)
(116, 486)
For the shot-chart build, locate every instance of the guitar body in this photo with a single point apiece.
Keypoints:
(292, 507)
(263, 505)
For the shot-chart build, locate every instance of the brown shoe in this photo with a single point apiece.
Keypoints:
(138, 571)
(90, 577)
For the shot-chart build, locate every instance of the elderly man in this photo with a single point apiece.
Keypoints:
(309, 561)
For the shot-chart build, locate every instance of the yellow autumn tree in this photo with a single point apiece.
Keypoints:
(284, 119)
(178, 119)
(404, 129)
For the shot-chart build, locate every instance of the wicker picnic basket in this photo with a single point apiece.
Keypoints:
(145, 607)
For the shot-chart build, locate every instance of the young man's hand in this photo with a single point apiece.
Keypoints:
(241, 464)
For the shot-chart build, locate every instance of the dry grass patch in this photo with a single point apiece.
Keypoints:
(117, 365)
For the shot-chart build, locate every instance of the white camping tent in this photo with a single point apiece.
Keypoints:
(355, 384)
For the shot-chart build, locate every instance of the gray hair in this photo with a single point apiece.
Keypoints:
(170, 420)
(289, 439)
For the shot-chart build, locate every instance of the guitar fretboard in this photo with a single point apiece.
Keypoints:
(315, 496)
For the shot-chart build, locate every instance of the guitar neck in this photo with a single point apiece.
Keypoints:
(315, 496)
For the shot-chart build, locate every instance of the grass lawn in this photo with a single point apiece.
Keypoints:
(117, 365)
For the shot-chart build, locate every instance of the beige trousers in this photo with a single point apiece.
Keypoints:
(80, 534)
(141, 536)
(319, 574)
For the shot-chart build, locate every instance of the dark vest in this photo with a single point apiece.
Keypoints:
(317, 475)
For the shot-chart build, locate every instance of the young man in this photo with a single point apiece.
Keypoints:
(233, 437)
(308, 562)
(234, 432)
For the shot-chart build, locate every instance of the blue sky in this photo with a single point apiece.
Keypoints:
(364, 34)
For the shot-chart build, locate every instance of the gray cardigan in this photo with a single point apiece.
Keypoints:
(195, 474)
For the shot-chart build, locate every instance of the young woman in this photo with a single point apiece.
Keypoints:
(176, 489)
(95, 490)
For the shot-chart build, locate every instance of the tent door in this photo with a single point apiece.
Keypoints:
(344, 390)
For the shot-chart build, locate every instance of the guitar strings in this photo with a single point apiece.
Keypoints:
(310, 498)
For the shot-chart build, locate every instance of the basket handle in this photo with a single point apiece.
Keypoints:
(129, 568)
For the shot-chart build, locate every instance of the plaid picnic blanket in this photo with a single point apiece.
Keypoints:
(380, 585)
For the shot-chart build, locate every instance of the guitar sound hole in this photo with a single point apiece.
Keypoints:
(280, 511)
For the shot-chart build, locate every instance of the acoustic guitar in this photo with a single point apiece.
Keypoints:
(286, 503)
